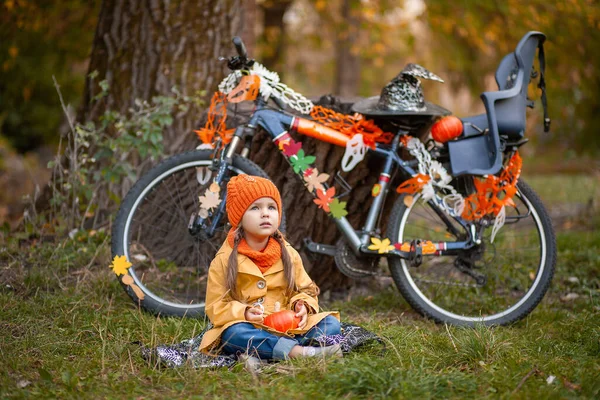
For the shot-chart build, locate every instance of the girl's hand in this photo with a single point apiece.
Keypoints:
(254, 314)
(302, 312)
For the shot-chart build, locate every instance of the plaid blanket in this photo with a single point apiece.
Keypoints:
(176, 355)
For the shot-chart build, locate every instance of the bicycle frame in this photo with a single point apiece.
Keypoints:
(278, 125)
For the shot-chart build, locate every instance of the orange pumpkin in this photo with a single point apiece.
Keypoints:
(446, 129)
(282, 321)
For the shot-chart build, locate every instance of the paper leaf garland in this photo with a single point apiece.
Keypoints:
(214, 187)
(338, 208)
(314, 180)
(209, 200)
(283, 143)
(128, 280)
(324, 198)
(292, 148)
(382, 246)
(300, 162)
(120, 265)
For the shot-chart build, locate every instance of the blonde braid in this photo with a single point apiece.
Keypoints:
(232, 266)
(288, 266)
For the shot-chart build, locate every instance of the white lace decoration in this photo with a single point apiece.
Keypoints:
(269, 86)
(452, 203)
(498, 223)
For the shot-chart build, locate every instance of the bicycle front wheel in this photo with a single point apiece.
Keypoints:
(169, 265)
(515, 270)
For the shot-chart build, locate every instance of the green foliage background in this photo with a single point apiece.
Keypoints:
(39, 39)
(466, 40)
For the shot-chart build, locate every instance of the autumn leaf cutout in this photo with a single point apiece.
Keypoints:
(382, 246)
(128, 280)
(314, 180)
(301, 162)
(292, 148)
(210, 199)
(324, 198)
(120, 265)
(338, 208)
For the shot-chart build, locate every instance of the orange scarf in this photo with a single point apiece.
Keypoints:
(263, 259)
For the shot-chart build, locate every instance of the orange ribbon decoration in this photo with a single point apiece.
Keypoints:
(218, 107)
(494, 192)
(351, 125)
(414, 184)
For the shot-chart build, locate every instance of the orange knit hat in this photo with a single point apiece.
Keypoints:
(243, 190)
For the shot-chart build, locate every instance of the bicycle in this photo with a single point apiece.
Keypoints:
(472, 246)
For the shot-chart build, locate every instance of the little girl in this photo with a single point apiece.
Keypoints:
(253, 273)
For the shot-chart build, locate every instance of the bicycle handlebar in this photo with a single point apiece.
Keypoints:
(239, 46)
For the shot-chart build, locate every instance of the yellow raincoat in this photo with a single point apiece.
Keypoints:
(255, 287)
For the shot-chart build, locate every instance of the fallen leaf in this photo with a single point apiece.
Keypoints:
(127, 279)
(23, 384)
(408, 200)
(570, 385)
(569, 297)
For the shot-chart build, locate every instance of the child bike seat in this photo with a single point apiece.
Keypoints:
(477, 151)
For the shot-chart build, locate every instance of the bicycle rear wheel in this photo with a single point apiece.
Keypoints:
(517, 267)
(169, 266)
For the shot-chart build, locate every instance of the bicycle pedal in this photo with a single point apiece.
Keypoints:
(416, 253)
(319, 248)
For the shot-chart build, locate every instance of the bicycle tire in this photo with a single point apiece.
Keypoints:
(150, 230)
(446, 295)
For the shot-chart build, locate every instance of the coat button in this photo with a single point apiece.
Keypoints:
(261, 284)
(260, 300)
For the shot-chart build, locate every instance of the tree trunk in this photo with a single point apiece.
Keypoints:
(145, 47)
(304, 219)
(273, 36)
(347, 77)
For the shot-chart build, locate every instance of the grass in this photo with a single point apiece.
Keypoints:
(68, 330)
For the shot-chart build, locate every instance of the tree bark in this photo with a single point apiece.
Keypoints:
(145, 47)
(273, 36)
(347, 77)
(304, 219)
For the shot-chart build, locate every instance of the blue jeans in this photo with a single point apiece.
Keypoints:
(243, 337)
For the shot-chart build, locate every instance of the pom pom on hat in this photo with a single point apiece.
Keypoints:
(243, 190)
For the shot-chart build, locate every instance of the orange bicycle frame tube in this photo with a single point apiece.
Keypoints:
(319, 132)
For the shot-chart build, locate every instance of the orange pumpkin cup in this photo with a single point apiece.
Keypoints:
(282, 321)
